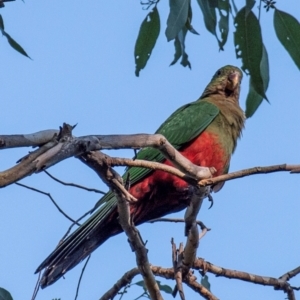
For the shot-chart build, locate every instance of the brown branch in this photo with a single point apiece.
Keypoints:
(191, 281)
(177, 263)
(287, 276)
(251, 171)
(122, 282)
(74, 184)
(53, 201)
(167, 273)
(191, 228)
(203, 266)
(65, 146)
(98, 162)
(27, 140)
(178, 220)
(26, 167)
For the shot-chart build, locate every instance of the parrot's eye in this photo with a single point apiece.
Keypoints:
(219, 73)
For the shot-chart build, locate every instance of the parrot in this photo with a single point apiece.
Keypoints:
(204, 131)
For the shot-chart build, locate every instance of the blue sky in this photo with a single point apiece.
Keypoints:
(83, 72)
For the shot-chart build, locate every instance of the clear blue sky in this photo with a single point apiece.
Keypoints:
(83, 72)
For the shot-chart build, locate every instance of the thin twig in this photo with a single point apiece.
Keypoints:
(36, 288)
(49, 195)
(74, 184)
(76, 223)
(251, 171)
(81, 274)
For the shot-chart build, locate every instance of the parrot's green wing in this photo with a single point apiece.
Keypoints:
(182, 126)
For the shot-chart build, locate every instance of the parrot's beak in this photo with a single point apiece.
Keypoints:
(233, 81)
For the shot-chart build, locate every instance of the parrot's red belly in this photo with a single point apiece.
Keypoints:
(161, 193)
(204, 151)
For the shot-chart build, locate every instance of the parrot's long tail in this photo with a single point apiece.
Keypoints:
(82, 242)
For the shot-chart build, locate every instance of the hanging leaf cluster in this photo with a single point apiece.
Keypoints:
(248, 39)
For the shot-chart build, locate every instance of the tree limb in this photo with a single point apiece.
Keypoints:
(98, 162)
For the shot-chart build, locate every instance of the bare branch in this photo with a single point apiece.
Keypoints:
(191, 281)
(191, 228)
(74, 185)
(122, 282)
(98, 162)
(27, 140)
(26, 167)
(287, 276)
(53, 201)
(201, 264)
(251, 171)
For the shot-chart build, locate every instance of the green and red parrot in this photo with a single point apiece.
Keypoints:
(205, 131)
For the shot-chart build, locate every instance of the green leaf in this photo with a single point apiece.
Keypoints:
(254, 100)
(146, 40)
(14, 44)
(141, 283)
(205, 282)
(209, 15)
(287, 29)
(5, 295)
(177, 17)
(249, 6)
(165, 288)
(1, 23)
(188, 23)
(224, 9)
(249, 47)
(179, 44)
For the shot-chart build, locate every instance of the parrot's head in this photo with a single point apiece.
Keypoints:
(226, 81)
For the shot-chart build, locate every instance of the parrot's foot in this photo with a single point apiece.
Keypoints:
(205, 172)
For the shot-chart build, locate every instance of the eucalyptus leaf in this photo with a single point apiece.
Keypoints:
(249, 6)
(205, 282)
(179, 44)
(5, 295)
(14, 44)
(165, 288)
(254, 100)
(287, 29)
(188, 23)
(177, 17)
(208, 9)
(249, 47)
(146, 40)
(224, 9)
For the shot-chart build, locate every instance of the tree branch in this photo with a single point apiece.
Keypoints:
(251, 171)
(122, 282)
(98, 162)
(27, 140)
